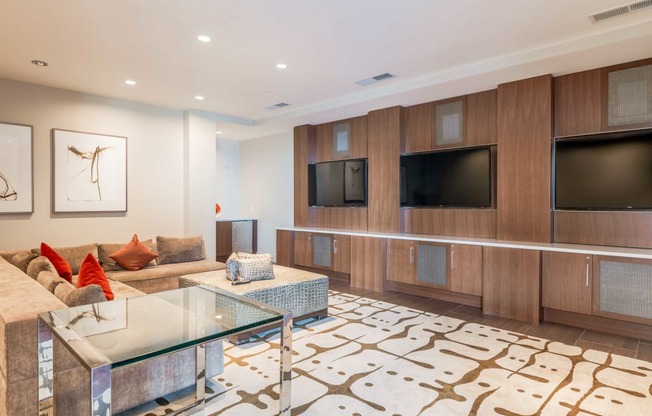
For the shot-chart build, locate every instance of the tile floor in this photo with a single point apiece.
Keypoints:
(629, 347)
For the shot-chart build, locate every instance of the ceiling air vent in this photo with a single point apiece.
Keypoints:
(374, 79)
(277, 105)
(621, 10)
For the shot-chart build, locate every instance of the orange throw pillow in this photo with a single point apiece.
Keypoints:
(60, 264)
(133, 256)
(90, 272)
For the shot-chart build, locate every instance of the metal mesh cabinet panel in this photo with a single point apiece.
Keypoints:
(449, 122)
(432, 264)
(321, 253)
(626, 288)
(630, 96)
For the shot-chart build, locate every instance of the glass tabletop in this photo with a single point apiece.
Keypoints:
(128, 330)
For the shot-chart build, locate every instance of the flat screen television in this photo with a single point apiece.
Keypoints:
(341, 183)
(604, 172)
(459, 178)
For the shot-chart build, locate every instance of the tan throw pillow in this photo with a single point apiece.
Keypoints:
(22, 260)
(133, 256)
(50, 280)
(180, 250)
(104, 252)
(74, 255)
(38, 265)
(255, 268)
(77, 297)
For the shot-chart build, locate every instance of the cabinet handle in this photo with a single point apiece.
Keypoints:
(411, 255)
(309, 242)
(334, 246)
(452, 260)
(587, 275)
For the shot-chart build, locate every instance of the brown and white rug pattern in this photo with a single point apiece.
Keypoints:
(372, 358)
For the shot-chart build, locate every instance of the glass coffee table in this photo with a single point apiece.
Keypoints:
(194, 316)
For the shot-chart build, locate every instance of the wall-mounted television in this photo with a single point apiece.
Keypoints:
(341, 183)
(611, 171)
(460, 178)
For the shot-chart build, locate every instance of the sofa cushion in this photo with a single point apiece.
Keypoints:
(72, 296)
(90, 273)
(74, 255)
(164, 270)
(62, 266)
(133, 256)
(105, 250)
(49, 280)
(22, 260)
(180, 250)
(38, 265)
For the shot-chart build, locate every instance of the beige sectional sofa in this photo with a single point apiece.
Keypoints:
(22, 298)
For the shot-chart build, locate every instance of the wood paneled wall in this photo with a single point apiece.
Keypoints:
(480, 223)
(301, 155)
(345, 218)
(609, 228)
(524, 156)
(384, 141)
(481, 118)
(284, 248)
(578, 103)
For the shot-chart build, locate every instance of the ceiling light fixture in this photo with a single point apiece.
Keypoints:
(218, 132)
(199, 97)
(281, 66)
(39, 63)
(204, 38)
(130, 82)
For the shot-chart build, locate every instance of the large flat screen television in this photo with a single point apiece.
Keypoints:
(459, 178)
(610, 171)
(341, 183)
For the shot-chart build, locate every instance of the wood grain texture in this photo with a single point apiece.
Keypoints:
(402, 261)
(368, 262)
(344, 218)
(435, 293)
(466, 269)
(511, 283)
(284, 248)
(342, 253)
(480, 223)
(224, 237)
(481, 118)
(606, 228)
(323, 142)
(567, 282)
(384, 135)
(524, 160)
(302, 249)
(419, 123)
(597, 323)
(301, 145)
(605, 96)
(578, 103)
(358, 137)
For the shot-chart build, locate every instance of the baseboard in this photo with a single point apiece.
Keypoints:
(598, 323)
(434, 293)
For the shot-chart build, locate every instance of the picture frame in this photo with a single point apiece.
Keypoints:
(16, 168)
(354, 181)
(89, 172)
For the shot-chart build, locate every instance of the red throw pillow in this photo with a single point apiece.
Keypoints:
(133, 256)
(90, 272)
(60, 264)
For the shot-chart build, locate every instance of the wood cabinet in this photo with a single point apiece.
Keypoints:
(466, 269)
(342, 139)
(419, 122)
(322, 251)
(402, 261)
(481, 113)
(368, 263)
(342, 253)
(237, 235)
(578, 103)
(567, 282)
(626, 101)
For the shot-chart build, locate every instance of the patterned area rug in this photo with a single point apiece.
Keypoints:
(372, 358)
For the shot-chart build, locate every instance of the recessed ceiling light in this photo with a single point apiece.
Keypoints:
(281, 66)
(130, 82)
(199, 97)
(204, 38)
(218, 132)
(39, 63)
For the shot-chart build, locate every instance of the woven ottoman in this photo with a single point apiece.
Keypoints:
(303, 293)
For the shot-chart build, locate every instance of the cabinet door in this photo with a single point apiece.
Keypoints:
(303, 249)
(358, 137)
(567, 282)
(450, 123)
(432, 265)
(627, 103)
(324, 142)
(466, 269)
(342, 253)
(224, 239)
(402, 261)
(322, 251)
(481, 115)
(418, 128)
(578, 103)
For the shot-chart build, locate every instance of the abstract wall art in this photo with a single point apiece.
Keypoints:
(16, 173)
(89, 172)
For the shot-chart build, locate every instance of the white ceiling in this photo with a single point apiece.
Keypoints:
(436, 48)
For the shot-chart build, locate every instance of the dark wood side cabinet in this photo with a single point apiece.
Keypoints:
(567, 282)
(236, 235)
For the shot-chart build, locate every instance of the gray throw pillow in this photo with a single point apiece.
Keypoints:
(180, 250)
(232, 267)
(38, 265)
(73, 255)
(72, 296)
(50, 280)
(255, 268)
(22, 259)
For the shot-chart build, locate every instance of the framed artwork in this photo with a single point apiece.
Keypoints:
(354, 181)
(16, 169)
(89, 172)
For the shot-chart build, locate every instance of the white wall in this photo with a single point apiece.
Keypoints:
(267, 186)
(155, 148)
(228, 178)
